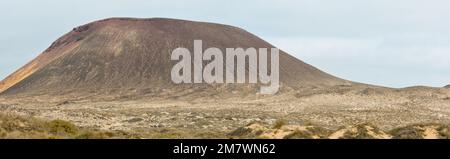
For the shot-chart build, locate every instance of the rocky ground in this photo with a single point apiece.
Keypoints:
(329, 109)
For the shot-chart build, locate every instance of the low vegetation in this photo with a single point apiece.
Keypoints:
(422, 131)
(24, 127)
(279, 123)
(281, 130)
(21, 127)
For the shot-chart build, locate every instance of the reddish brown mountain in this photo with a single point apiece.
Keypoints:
(132, 54)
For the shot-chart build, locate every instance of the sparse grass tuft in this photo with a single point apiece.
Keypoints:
(300, 135)
(407, 132)
(61, 127)
(241, 131)
(416, 131)
(279, 123)
(319, 131)
(362, 132)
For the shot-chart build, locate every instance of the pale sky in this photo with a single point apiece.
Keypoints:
(396, 43)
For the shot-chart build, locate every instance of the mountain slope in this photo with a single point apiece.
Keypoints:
(127, 53)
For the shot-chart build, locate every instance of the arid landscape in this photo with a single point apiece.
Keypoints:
(111, 79)
(193, 117)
